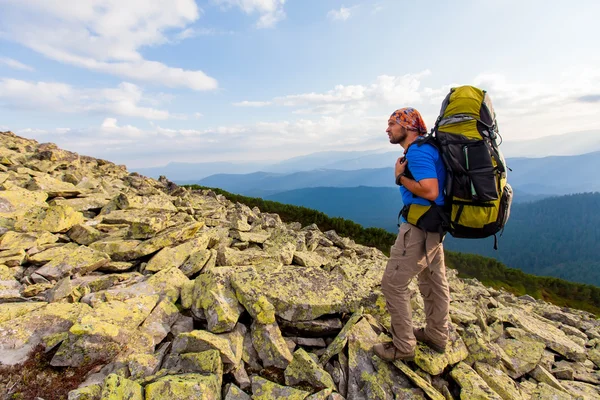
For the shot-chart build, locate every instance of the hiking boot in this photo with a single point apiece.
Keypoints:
(422, 337)
(388, 352)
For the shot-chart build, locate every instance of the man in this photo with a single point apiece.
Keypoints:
(417, 251)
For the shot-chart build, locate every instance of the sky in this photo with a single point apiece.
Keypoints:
(148, 82)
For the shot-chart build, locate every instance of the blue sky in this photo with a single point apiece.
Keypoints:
(146, 82)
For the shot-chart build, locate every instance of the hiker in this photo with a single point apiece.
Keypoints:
(421, 176)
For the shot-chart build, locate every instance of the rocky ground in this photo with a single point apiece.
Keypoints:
(117, 286)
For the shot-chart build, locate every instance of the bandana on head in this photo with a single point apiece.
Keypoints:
(410, 119)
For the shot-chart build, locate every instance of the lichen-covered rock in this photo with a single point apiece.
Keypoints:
(20, 335)
(298, 293)
(472, 387)
(15, 203)
(520, 357)
(118, 249)
(419, 381)
(142, 365)
(82, 260)
(91, 392)
(232, 392)
(185, 387)
(263, 389)
(368, 376)
(159, 321)
(85, 234)
(582, 390)
(199, 341)
(117, 388)
(176, 256)
(433, 362)
(478, 348)
(53, 187)
(499, 381)
(544, 392)
(540, 374)
(214, 295)
(205, 362)
(12, 240)
(308, 259)
(52, 219)
(270, 346)
(304, 368)
(89, 202)
(553, 337)
(143, 224)
(197, 261)
(168, 237)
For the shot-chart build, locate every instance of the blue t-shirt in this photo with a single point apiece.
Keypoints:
(424, 162)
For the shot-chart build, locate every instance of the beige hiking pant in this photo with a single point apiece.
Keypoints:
(421, 253)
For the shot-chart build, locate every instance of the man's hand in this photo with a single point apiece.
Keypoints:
(400, 166)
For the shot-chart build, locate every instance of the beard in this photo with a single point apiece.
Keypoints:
(397, 139)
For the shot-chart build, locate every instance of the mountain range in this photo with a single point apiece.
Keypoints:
(559, 145)
(555, 175)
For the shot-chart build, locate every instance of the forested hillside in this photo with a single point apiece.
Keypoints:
(557, 236)
(489, 271)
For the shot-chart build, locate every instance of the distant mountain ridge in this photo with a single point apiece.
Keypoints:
(556, 175)
(569, 144)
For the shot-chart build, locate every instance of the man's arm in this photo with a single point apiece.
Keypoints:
(425, 188)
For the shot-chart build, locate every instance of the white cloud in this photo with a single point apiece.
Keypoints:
(60, 97)
(105, 35)
(388, 91)
(195, 32)
(339, 15)
(252, 103)
(198, 115)
(9, 62)
(270, 11)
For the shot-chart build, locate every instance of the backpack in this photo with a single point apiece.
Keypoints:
(477, 195)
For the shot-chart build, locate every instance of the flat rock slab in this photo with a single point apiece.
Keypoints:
(297, 293)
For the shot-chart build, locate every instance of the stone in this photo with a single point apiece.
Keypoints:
(298, 293)
(158, 323)
(499, 381)
(553, 337)
(540, 374)
(52, 219)
(520, 357)
(472, 386)
(176, 256)
(228, 256)
(544, 392)
(117, 388)
(152, 203)
(308, 259)
(85, 234)
(196, 261)
(21, 334)
(263, 389)
(206, 362)
(82, 260)
(12, 240)
(232, 392)
(117, 249)
(581, 390)
(303, 368)
(368, 376)
(143, 224)
(419, 381)
(433, 362)
(479, 349)
(16, 203)
(90, 202)
(270, 346)
(252, 237)
(143, 365)
(9, 311)
(168, 237)
(312, 328)
(341, 339)
(184, 387)
(91, 392)
(214, 295)
(198, 341)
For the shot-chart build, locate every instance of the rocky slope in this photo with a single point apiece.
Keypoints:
(117, 286)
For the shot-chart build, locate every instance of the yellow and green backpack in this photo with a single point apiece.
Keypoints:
(478, 197)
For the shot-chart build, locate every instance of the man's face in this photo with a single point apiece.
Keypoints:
(396, 133)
